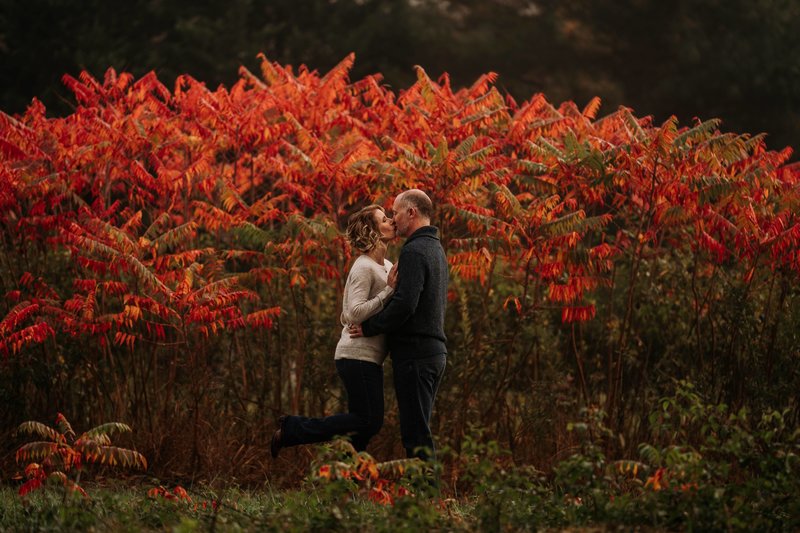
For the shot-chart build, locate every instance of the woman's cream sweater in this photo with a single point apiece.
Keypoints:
(365, 293)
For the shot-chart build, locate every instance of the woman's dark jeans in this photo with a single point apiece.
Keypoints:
(416, 382)
(363, 381)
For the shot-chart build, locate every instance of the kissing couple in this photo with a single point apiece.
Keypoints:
(387, 309)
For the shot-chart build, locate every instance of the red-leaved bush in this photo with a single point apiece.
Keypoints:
(178, 252)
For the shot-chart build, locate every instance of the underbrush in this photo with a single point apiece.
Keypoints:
(706, 468)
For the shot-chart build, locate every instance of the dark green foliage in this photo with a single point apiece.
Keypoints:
(733, 60)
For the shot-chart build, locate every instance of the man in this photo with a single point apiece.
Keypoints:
(413, 321)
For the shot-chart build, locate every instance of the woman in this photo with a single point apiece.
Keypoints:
(359, 362)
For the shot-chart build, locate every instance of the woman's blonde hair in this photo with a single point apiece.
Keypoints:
(362, 229)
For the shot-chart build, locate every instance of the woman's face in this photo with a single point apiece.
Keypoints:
(385, 226)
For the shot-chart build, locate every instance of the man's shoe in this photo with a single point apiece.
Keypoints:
(276, 443)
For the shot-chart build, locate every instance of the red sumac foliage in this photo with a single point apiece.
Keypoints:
(132, 181)
(173, 216)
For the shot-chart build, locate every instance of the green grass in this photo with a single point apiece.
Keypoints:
(507, 502)
(130, 509)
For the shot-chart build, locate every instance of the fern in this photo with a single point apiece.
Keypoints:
(37, 428)
(64, 427)
(106, 429)
(735, 151)
(36, 451)
(427, 88)
(123, 241)
(211, 290)
(532, 168)
(95, 247)
(632, 123)
(319, 227)
(478, 156)
(408, 154)
(231, 199)
(481, 115)
(574, 222)
(750, 144)
(545, 148)
(462, 151)
(304, 157)
(133, 222)
(397, 468)
(674, 215)
(711, 189)
(438, 153)
(263, 318)
(16, 316)
(181, 235)
(650, 454)
(507, 201)
(156, 226)
(93, 452)
(272, 73)
(591, 109)
(337, 76)
(65, 453)
(697, 134)
(254, 237)
(145, 275)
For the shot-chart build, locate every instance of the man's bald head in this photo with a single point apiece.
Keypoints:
(419, 200)
(412, 210)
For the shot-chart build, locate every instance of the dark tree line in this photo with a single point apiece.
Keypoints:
(734, 59)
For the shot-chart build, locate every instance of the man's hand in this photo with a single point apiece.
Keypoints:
(355, 331)
(391, 280)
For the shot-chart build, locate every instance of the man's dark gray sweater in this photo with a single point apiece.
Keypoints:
(413, 320)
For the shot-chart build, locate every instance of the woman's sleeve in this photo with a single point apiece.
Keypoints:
(360, 305)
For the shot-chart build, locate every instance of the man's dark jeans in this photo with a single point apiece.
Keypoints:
(364, 384)
(415, 383)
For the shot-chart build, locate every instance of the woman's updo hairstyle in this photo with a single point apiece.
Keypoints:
(362, 229)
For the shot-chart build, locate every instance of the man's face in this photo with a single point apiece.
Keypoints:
(402, 220)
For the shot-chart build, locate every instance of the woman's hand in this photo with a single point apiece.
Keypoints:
(391, 279)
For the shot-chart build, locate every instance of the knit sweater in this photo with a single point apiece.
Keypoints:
(365, 293)
(413, 319)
